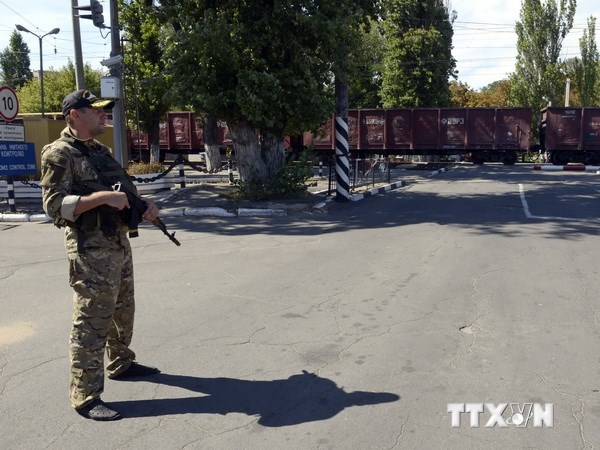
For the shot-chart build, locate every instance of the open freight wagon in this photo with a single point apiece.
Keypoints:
(486, 134)
(181, 133)
(571, 135)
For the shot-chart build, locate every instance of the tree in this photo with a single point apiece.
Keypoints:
(461, 94)
(493, 95)
(364, 78)
(418, 61)
(264, 67)
(539, 77)
(587, 69)
(14, 62)
(57, 84)
(146, 83)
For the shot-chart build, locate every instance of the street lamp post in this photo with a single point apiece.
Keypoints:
(54, 31)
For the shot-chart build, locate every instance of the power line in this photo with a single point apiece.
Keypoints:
(22, 17)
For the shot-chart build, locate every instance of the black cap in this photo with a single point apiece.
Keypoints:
(84, 99)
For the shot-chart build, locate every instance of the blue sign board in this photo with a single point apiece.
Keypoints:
(17, 158)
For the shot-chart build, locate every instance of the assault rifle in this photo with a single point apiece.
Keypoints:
(133, 215)
(137, 208)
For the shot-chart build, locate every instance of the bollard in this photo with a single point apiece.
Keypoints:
(342, 165)
(10, 188)
(230, 171)
(330, 181)
(181, 173)
(373, 171)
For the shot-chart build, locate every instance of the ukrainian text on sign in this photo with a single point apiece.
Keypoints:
(14, 133)
(17, 158)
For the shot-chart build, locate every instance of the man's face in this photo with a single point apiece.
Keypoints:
(91, 120)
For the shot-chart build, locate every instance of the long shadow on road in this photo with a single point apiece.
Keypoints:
(298, 399)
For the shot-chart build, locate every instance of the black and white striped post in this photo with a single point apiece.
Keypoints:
(10, 189)
(181, 172)
(342, 165)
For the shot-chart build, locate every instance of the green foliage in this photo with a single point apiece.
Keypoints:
(269, 63)
(418, 59)
(57, 84)
(288, 182)
(492, 95)
(14, 62)
(364, 78)
(587, 70)
(146, 82)
(539, 76)
(264, 67)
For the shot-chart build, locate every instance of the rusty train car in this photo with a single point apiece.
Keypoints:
(484, 134)
(488, 134)
(570, 135)
(181, 133)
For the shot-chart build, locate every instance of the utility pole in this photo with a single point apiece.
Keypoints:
(79, 77)
(116, 70)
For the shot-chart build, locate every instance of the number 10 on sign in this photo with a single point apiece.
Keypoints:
(9, 104)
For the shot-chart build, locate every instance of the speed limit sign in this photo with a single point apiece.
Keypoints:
(9, 105)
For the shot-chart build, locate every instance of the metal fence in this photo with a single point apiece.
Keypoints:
(364, 172)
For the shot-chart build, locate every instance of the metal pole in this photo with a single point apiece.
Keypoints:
(120, 137)
(137, 101)
(10, 189)
(230, 171)
(79, 76)
(41, 76)
(181, 171)
(567, 93)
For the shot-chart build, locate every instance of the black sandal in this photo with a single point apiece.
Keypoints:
(98, 410)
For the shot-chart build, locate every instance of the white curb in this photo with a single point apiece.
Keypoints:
(14, 217)
(572, 168)
(39, 218)
(247, 212)
(171, 212)
(210, 211)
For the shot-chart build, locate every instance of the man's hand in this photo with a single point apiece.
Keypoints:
(151, 212)
(115, 199)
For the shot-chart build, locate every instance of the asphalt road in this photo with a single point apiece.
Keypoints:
(353, 326)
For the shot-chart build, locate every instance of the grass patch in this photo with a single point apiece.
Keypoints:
(145, 168)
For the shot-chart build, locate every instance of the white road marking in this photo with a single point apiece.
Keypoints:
(531, 216)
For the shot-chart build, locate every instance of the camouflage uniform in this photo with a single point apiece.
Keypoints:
(100, 272)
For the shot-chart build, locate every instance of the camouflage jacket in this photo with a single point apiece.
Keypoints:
(64, 169)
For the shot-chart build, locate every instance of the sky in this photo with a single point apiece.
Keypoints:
(484, 38)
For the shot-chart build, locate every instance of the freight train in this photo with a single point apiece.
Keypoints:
(481, 134)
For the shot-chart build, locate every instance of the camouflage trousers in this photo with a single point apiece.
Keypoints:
(103, 310)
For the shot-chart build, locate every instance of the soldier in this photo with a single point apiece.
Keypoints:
(77, 175)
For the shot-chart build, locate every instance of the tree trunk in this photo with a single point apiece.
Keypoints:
(272, 151)
(247, 151)
(155, 142)
(211, 144)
